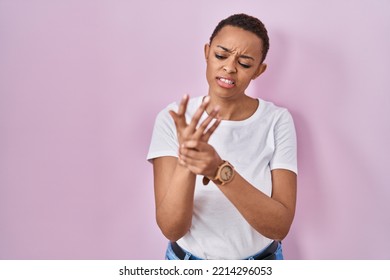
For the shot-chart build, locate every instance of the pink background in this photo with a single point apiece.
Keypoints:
(82, 81)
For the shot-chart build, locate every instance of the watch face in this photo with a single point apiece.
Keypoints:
(226, 173)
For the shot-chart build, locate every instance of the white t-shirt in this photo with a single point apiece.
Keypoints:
(254, 146)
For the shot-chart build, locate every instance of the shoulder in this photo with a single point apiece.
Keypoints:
(273, 109)
(275, 113)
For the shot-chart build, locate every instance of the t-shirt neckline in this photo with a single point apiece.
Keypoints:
(254, 116)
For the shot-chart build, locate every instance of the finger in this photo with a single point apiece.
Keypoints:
(189, 153)
(198, 166)
(193, 165)
(183, 105)
(203, 126)
(179, 117)
(204, 157)
(198, 114)
(181, 161)
(210, 131)
(179, 121)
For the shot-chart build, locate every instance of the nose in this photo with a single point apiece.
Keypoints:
(230, 66)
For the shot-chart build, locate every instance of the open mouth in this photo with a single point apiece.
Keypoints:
(226, 81)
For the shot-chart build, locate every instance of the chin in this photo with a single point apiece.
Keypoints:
(225, 93)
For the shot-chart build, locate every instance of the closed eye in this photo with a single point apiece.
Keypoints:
(244, 65)
(220, 57)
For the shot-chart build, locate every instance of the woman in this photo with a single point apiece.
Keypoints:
(225, 180)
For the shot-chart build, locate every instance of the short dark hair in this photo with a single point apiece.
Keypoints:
(248, 23)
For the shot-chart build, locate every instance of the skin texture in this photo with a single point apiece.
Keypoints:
(235, 56)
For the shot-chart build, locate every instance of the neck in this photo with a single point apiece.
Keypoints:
(236, 109)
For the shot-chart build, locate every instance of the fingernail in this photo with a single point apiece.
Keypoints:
(216, 108)
(206, 99)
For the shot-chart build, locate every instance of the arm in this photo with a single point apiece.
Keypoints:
(270, 216)
(174, 184)
(174, 187)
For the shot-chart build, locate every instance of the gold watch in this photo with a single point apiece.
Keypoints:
(225, 174)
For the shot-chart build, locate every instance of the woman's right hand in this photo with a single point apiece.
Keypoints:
(192, 131)
(174, 182)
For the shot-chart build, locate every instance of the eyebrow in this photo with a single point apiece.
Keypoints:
(230, 51)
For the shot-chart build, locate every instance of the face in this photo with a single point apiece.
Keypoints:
(233, 60)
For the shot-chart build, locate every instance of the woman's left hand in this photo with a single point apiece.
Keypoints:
(199, 157)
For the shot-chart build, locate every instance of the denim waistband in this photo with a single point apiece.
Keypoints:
(269, 253)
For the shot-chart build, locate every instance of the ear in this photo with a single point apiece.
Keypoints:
(206, 51)
(260, 70)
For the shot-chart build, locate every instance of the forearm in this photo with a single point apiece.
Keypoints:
(266, 215)
(174, 210)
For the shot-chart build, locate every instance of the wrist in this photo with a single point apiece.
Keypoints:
(182, 168)
(217, 166)
(224, 174)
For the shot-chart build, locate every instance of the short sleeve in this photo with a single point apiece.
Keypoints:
(285, 153)
(164, 139)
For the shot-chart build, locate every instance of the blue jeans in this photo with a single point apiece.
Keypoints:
(170, 255)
